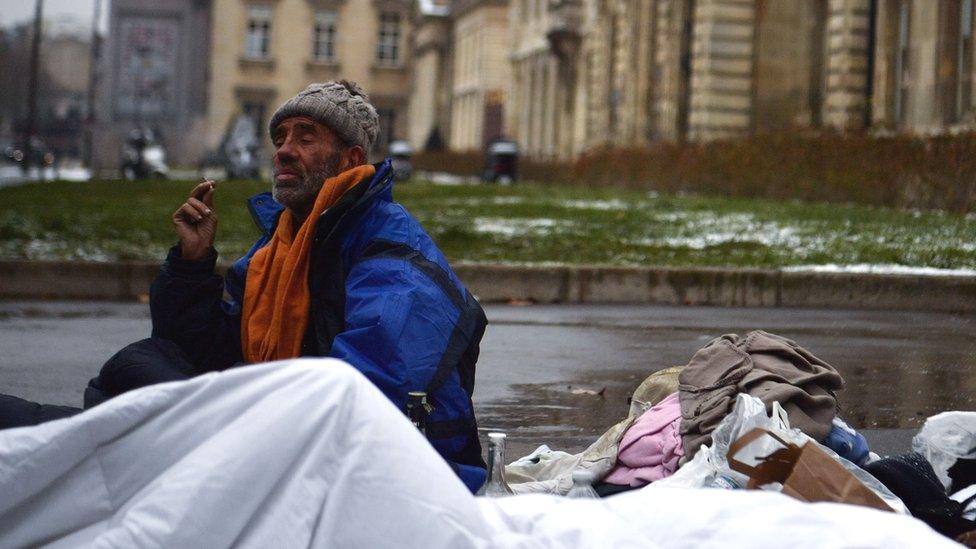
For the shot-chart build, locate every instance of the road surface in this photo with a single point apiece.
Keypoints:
(899, 367)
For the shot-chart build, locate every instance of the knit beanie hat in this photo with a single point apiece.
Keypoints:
(341, 105)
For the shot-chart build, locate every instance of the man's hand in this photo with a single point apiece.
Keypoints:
(196, 222)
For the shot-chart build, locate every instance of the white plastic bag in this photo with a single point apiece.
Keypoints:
(710, 468)
(945, 438)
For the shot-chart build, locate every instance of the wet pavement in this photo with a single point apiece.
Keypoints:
(899, 367)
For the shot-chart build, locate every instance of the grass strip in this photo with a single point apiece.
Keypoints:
(522, 224)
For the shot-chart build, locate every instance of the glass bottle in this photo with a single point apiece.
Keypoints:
(582, 485)
(495, 486)
(417, 409)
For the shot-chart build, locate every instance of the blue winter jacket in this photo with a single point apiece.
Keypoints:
(384, 299)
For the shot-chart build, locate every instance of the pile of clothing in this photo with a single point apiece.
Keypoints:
(675, 412)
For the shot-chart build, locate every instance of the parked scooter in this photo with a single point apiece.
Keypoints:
(401, 152)
(240, 150)
(501, 161)
(143, 156)
(40, 155)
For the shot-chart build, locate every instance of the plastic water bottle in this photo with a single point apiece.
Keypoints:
(495, 486)
(724, 482)
(582, 485)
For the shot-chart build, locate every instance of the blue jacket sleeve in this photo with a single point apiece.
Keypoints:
(186, 305)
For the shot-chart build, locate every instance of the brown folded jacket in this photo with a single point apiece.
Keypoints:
(766, 366)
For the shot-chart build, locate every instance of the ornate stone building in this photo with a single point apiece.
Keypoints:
(265, 51)
(430, 101)
(593, 73)
(537, 96)
(481, 72)
(153, 72)
(462, 73)
(923, 66)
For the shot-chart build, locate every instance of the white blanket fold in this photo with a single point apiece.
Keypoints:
(307, 453)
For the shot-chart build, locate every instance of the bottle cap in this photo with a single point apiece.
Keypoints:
(496, 436)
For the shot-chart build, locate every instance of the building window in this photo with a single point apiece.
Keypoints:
(388, 49)
(258, 32)
(324, 36)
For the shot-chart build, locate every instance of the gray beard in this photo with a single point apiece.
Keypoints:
(301, 198)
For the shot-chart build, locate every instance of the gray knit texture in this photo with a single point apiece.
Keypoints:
(347, 113)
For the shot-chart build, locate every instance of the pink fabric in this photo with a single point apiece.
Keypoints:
(651, 447)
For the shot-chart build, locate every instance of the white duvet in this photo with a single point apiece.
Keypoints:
(308, 453)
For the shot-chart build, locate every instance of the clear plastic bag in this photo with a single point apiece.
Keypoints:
(710, 468)
(945, 438)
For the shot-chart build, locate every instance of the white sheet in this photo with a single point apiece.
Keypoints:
(309, 453)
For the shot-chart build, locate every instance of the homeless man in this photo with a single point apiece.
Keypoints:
(340, 270)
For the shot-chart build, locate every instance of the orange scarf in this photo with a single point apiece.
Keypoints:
(276, 294)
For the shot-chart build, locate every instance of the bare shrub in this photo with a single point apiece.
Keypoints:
(898, 171)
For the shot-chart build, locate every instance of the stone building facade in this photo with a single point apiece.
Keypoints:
(624, 73)
(153, 72)
(481, 72)
(462, 73)
(265, 51)
(430, 101)
(923, 66)
(538, 95)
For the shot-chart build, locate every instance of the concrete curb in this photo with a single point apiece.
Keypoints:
(566, 284)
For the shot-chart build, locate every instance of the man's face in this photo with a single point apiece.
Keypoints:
(306, 154)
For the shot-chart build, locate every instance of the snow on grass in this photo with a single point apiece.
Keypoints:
(514, 227)
(708, 229)
(602, 205)
(440, 178)
(521, 224)
(867, 268)
(507, 200)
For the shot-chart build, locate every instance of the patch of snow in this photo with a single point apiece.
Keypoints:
(442, 178)
(615, 204)
(39, 249)
(879, 269)
(478, 202)
(672, 217)
(520, 263)
(74, 173)
(514, 227)
(91, 255)
(711, 230)
(507, 200)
